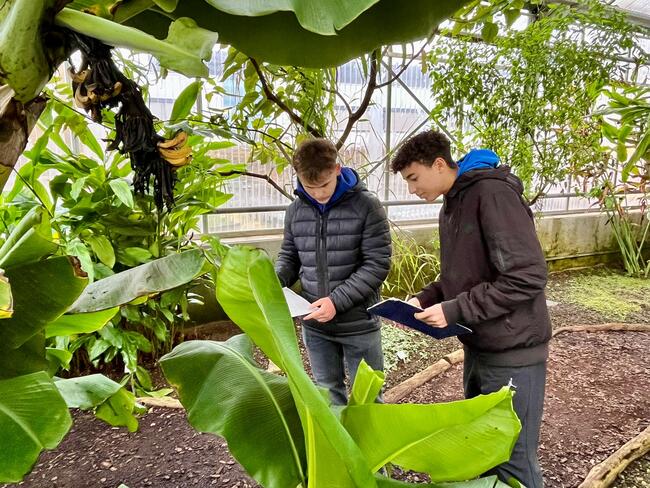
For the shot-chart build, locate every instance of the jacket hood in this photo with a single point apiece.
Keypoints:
(503, 173)
(477, 159)
(346, 181)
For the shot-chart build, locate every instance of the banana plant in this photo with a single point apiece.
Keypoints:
(283, 430)
(37, 288)
(37, 292)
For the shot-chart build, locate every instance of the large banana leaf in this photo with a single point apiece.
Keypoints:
(147, 279)
(42, 290)
(436, 439)
(251, 295)
(302, 32)
(226, 393)
(439, 438)
(33, 416)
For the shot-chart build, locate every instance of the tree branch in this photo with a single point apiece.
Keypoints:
(372, 85)
(260, 176)
(285, 108)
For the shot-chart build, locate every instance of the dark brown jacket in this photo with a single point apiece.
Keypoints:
(493, 271)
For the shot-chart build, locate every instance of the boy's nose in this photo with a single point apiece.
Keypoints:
(411, 188)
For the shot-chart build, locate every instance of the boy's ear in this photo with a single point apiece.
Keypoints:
(440, 164)
(338, 169)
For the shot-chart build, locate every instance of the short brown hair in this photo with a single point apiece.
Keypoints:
(423, 148)
(313, 157)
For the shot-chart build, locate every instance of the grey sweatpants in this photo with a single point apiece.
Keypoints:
(528, 401)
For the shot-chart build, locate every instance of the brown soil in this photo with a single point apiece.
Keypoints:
(596, 400)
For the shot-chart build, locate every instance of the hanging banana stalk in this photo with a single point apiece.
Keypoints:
(99, 84)
(37, 35)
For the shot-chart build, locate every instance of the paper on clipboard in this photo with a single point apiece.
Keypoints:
(298, 306)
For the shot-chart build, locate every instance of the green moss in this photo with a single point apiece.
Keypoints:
(401, 344)
(608, 292)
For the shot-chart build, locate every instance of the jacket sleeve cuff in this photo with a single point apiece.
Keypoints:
(337, 301)
(452, 311)
(426, 298)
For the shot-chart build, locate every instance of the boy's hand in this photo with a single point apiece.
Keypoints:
(325, 312)
(414, 301)
(433, 316)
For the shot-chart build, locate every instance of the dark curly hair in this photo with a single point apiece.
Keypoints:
(423, 148)
(313, 157)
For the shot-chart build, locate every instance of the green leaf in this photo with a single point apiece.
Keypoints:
(511, 16)
(118, 410)
(137, 255)
(79, 323)
(185, 101)
(29, 241)
(57, 359)
(33, 417)
(184, 49)
(42, 292)
(426, 438)
(80, 251)
(166, 5)
(147, 279)
(144, 378)
(367, 385)
(227, 394)
(77, 186)
(621, 152)
(103, 249)
(122, 192)
(489, 31)
(90, 141)
(86, 392)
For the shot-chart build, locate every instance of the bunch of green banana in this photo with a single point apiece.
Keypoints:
(176, 151)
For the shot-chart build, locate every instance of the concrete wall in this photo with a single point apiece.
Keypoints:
(572, 240)
(568, 241)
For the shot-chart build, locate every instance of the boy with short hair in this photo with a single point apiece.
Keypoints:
(337, 242)
(492, 279)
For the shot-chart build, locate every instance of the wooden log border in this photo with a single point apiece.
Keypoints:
(603, 475)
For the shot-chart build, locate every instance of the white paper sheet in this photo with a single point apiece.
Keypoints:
(298, 306)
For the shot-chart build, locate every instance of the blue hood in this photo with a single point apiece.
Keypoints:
(476, 159)
(347, 180)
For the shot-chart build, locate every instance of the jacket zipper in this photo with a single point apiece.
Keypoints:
(321, 256)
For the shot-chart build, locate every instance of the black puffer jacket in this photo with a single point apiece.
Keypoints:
(343, 253)
(493, 272)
